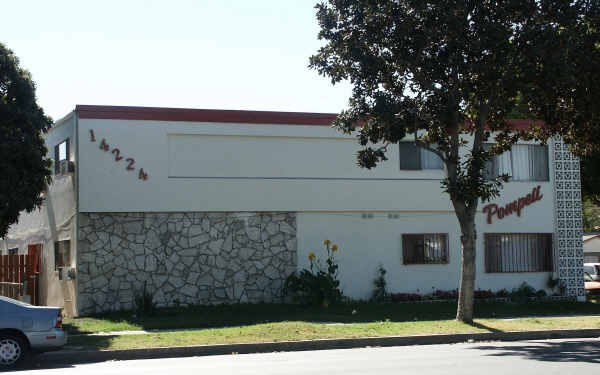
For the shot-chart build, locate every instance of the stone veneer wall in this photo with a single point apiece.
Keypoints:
(187, 258)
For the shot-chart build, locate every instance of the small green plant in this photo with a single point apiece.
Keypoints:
(553, 284)
(319, 285)
(176, 303)
(380, 293)
(522, 293)
(144, 303)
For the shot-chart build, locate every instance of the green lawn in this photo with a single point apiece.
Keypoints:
(295, 330)
(253, 314)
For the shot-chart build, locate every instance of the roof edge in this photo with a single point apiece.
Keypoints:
(226, 116)
(203, 115)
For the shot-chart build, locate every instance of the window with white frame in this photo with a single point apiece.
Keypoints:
(430, 248)
(518, 252)
(414, 158)
(521, 162)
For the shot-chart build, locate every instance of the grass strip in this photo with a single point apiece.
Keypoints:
(294, 331)
(252, 314)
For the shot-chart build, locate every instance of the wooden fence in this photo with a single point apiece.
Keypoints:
(19, 276)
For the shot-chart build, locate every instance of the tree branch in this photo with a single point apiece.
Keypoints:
(421, 143)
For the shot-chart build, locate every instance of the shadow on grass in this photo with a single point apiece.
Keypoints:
(487, 328)
(571, 351)
(89, 342)
(360, 312)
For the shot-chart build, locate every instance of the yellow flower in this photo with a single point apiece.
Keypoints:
(334, 248)
(311, 256)
(327, 242)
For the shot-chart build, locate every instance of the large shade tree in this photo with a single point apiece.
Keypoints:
(25, 170)
(449, 73)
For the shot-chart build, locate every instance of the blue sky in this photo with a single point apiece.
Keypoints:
(223, 54)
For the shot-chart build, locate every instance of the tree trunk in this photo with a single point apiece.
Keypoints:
(466, 290)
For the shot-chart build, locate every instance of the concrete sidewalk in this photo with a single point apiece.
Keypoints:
(70, 357)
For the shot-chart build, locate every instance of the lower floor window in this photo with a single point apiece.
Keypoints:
(518, 252)
(424, 248)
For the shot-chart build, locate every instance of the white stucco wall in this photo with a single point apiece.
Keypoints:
(365, 243)
(54, 221)
(591, 250)
(240, 167)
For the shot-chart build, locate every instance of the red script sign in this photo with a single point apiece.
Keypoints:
(515, 206)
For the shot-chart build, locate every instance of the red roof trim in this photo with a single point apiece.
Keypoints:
(519, 124)
(204, 115)
(227, 116)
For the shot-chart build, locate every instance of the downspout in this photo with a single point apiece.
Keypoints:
(76, 213)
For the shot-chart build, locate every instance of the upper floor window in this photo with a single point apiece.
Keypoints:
(413, 158)
(14, 251)
(61, 152)
(522, 163)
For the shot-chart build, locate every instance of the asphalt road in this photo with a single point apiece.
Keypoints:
(528, 357)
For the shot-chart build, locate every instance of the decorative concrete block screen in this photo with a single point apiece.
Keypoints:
(569, 241)
(186, 258)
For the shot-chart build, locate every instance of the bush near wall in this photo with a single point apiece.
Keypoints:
(523, 293)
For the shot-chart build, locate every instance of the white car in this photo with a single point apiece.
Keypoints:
(591, 271)
(25, 328)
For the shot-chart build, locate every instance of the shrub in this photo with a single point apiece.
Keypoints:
(479, 293)
(445, 294)
(522, 293)
(380, 291)
(402, 297)
(144, 303)
(524, 290)
(320, 284)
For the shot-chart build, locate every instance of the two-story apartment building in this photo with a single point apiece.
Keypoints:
(211, 206)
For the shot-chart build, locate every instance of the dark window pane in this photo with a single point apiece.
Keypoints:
(540, 163)
(410, 156)
(424, 248)
(62, 254)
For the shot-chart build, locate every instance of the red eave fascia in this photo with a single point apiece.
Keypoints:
(226, 116)
(520, 124)
(203, 115)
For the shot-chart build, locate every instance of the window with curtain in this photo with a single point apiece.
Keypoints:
(425, 248)
(522, 163)
(415, 158)
(518, 252)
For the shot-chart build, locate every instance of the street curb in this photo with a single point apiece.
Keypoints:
(76, 357)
